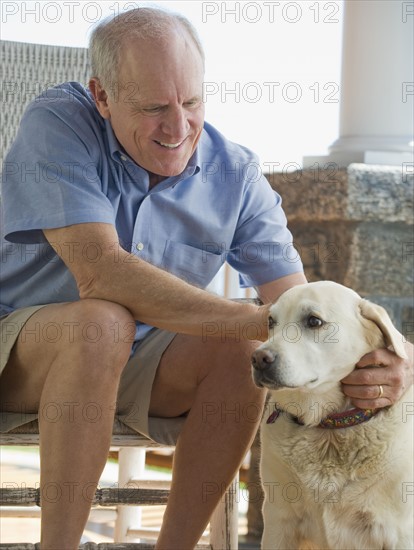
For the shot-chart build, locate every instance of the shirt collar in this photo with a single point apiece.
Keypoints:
(115, 148)
(193, 166)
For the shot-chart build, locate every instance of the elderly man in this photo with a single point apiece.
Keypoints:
(123, 196)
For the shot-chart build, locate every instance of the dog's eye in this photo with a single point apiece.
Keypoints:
(272, 323)
(314, 322)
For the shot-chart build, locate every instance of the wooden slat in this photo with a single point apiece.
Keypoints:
(152, 533)
(118, 440)
(144, 497)
(103, 497)
(19, 497)
(223, 525)
(94, 546)
(122, 436)
(151, 484)
(35, 512)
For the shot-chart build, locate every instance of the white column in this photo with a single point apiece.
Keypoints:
(377, 88)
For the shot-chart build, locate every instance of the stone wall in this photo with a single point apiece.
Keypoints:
(355, 226)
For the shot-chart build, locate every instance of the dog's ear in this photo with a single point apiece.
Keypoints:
(380, 317)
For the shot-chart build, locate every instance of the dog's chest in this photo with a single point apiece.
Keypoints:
(315, 455)
(330, 477)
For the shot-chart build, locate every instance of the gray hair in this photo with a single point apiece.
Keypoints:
(108, 38)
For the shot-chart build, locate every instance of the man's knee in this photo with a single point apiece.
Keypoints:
(98, 329)
(91, 310)
(89, 340)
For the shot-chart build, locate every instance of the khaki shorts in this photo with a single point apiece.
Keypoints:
(134, 389)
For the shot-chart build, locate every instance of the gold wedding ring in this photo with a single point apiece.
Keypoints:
(381, 391)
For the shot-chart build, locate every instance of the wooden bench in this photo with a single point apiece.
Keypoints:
(130, 492)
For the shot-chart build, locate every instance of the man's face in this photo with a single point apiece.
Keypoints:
(157, 112)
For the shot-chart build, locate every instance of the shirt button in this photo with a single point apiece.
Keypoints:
(123, 157)
(139, 246)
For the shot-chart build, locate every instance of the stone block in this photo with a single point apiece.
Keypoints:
(325, 249)
(407, 320)
(379, 194)
(378, 263)
(310, 195)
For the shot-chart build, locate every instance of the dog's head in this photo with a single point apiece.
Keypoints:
(317, 333)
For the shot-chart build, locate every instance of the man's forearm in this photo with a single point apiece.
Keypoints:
(152, 295)
(158, 298)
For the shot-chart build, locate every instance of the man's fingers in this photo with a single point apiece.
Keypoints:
(367, 376)
(378, 369)
(376, 358)
(370, 397)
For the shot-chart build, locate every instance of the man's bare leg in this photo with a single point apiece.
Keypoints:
(73, 383)
(213, 380)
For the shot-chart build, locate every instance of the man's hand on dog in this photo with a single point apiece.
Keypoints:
(378, 368)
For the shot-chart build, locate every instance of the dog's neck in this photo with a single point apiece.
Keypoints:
(310, 408)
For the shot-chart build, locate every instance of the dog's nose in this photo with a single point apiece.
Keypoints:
(262, 359)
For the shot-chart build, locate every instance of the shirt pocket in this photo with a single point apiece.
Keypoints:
(194, 265)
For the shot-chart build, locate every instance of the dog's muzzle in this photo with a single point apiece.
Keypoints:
(263, 359)
(264, 363)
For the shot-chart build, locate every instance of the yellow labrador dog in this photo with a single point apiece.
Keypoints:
(335, 477)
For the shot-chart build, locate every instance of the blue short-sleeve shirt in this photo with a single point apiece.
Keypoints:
(66, 167)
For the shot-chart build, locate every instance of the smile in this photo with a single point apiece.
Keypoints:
(169, 145)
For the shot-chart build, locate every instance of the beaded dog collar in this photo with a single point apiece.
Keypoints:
(334, 421)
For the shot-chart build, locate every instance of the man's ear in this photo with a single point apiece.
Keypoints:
(100, 96)
(380, 317)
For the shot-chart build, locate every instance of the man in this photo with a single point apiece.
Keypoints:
(141, 182)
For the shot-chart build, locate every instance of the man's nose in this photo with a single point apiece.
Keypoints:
(175, 123)
(263, 359)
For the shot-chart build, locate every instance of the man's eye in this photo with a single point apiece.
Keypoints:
(152, 110)
(314, 322)
(191, 104)
(272, 323)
